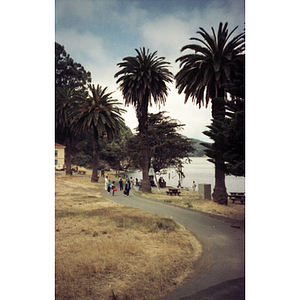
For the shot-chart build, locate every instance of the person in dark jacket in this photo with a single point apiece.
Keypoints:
(136, 184)
(127, 188)
(121, 184)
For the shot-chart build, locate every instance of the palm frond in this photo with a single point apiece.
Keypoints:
(203, 73)
(144, 78)
(101, 111)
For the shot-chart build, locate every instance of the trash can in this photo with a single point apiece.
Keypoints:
(204, 191)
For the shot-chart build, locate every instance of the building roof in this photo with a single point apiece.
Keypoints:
(59, 146)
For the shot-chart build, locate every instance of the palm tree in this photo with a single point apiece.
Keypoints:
(100, 113)
(142, 79)
(202, 76)
(65, 101)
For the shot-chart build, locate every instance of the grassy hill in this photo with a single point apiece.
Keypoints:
(200, 149)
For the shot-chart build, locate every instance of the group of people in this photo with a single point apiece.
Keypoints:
(134, 183)
(110, 187)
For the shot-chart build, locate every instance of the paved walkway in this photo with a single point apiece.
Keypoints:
(221, 268)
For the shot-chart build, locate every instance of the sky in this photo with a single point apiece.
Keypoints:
(98, 34)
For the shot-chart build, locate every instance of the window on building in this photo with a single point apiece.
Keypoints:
(56, 153)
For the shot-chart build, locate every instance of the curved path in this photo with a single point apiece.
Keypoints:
(223, 241)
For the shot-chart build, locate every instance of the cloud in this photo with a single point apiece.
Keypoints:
(104, 15)
(84, 46)
(165, 33)
(77, 11)
(90, 51)
(131, 16)
(231, 13)
(168, 33)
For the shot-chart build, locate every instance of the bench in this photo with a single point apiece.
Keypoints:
(237, 196)
(174, 192)
(81, 172)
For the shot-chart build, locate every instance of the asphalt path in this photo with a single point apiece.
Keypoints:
(222, 239)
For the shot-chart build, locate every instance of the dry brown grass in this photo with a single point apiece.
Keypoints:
(190, 199)
(108, 251)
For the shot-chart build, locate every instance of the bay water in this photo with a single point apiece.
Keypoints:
(199, 170)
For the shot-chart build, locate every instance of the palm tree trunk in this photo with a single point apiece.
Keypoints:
(142, 115)
(95, 156)
(219, 193)
(68, 154)
(146, 188)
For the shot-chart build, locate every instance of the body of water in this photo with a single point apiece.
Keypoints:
(200, 171)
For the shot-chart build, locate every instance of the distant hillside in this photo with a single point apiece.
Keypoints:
(200, 149)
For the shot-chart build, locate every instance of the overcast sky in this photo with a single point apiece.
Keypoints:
(99, 34)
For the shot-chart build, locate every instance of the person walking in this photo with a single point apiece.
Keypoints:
(121, 184)
(127, 188)
(136, 185)
(194, 186)
(113, 188)
(105, 183)
(108, 186)
(131, 182)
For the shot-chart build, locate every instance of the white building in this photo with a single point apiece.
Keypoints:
(59, 156)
